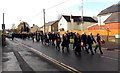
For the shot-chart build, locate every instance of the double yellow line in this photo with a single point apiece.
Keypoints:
(64, 66)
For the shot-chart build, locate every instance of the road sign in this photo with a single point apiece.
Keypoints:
(3, 26)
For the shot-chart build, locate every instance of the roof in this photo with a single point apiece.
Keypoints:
(111, 9)
(113, 18)
(34, 29)
(50, 23)
(77, 19)
(92, 25)
(22, 23)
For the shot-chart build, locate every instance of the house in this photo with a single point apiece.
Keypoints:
(108, 19)
(72, 23)
(23, 27)
(41, 28)
(51, 26)
(54, 26)
(34, 28)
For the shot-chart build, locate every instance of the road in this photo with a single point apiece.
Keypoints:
(84, 63)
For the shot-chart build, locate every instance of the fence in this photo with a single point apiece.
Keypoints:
(94, 32)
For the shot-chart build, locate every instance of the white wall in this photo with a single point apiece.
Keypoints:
(102, 18)
(62, 24)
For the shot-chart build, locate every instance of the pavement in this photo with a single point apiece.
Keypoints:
(16, 58)
(0, 54)
(111, 46)
(84, 63)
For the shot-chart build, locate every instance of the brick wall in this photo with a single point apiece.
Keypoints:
(111, 26)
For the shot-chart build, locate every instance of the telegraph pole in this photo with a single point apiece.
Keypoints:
(44, 18)
(82, 28)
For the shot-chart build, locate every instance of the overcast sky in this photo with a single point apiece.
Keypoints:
(31, 11)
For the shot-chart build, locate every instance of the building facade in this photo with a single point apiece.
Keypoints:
(23, 27)
(108, 19)
(73, 23)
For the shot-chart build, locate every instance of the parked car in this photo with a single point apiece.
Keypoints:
(9, 35)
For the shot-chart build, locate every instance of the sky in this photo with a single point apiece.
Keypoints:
(31, 11)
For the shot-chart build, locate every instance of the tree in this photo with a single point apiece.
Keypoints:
(59, 16)
(13, 28)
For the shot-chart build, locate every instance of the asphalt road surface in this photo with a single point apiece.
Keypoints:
(84, 63)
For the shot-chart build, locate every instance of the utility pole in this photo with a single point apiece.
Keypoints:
(82, 28)
(44, 18)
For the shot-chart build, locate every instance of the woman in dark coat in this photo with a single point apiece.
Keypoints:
(84, 40)
(98, 43)
(90, 40)
(65, 42)
(58, 41)
(77, 41)
(42, 37)
(46, 37)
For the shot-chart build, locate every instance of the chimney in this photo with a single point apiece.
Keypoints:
(71, 19)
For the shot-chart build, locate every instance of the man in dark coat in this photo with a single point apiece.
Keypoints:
(84, 40)
(42, 37)
(77, 41)
(90, 40)
(65, 42)
(53, 38)
(13, 36)
(98, 39)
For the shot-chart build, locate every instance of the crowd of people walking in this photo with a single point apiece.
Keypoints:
(62, 42)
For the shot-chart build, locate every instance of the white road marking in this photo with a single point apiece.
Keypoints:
(110, 58)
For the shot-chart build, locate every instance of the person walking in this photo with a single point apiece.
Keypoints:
(53, 38)
(42, 37)
(58, 41)
(90, 40)
(84, 41)
(46, 37)
(77, 42)
(65, 42)
(98, 39)
(32, 35)
(74, 35)
(37, 37)
(13, 35)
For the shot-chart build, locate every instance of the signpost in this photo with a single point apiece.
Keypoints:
(108, 30)
(3, 32)
(3, 26)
